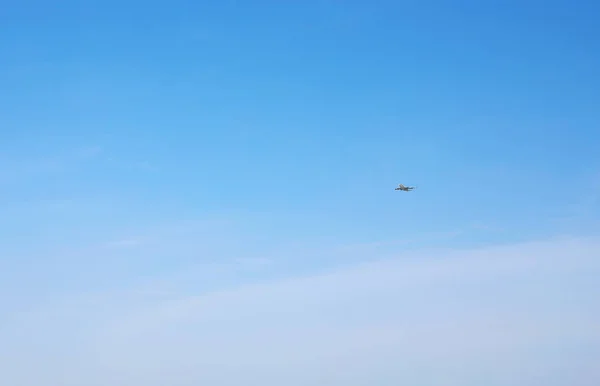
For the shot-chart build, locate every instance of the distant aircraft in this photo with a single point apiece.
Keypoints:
(404, 188)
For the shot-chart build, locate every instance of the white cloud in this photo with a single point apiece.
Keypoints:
(520, 315)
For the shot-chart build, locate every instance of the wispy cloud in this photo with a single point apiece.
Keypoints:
(132, 165)
(517, 314)
(124, 243)
(581, 215)
(482, 226)
(22, 167)
(416, 240)
(88, 152)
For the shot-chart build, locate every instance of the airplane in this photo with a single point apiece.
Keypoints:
(404, 188)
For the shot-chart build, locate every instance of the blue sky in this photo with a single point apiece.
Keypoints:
(177, 149)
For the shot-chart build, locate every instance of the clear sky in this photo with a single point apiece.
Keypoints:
(197, 192)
